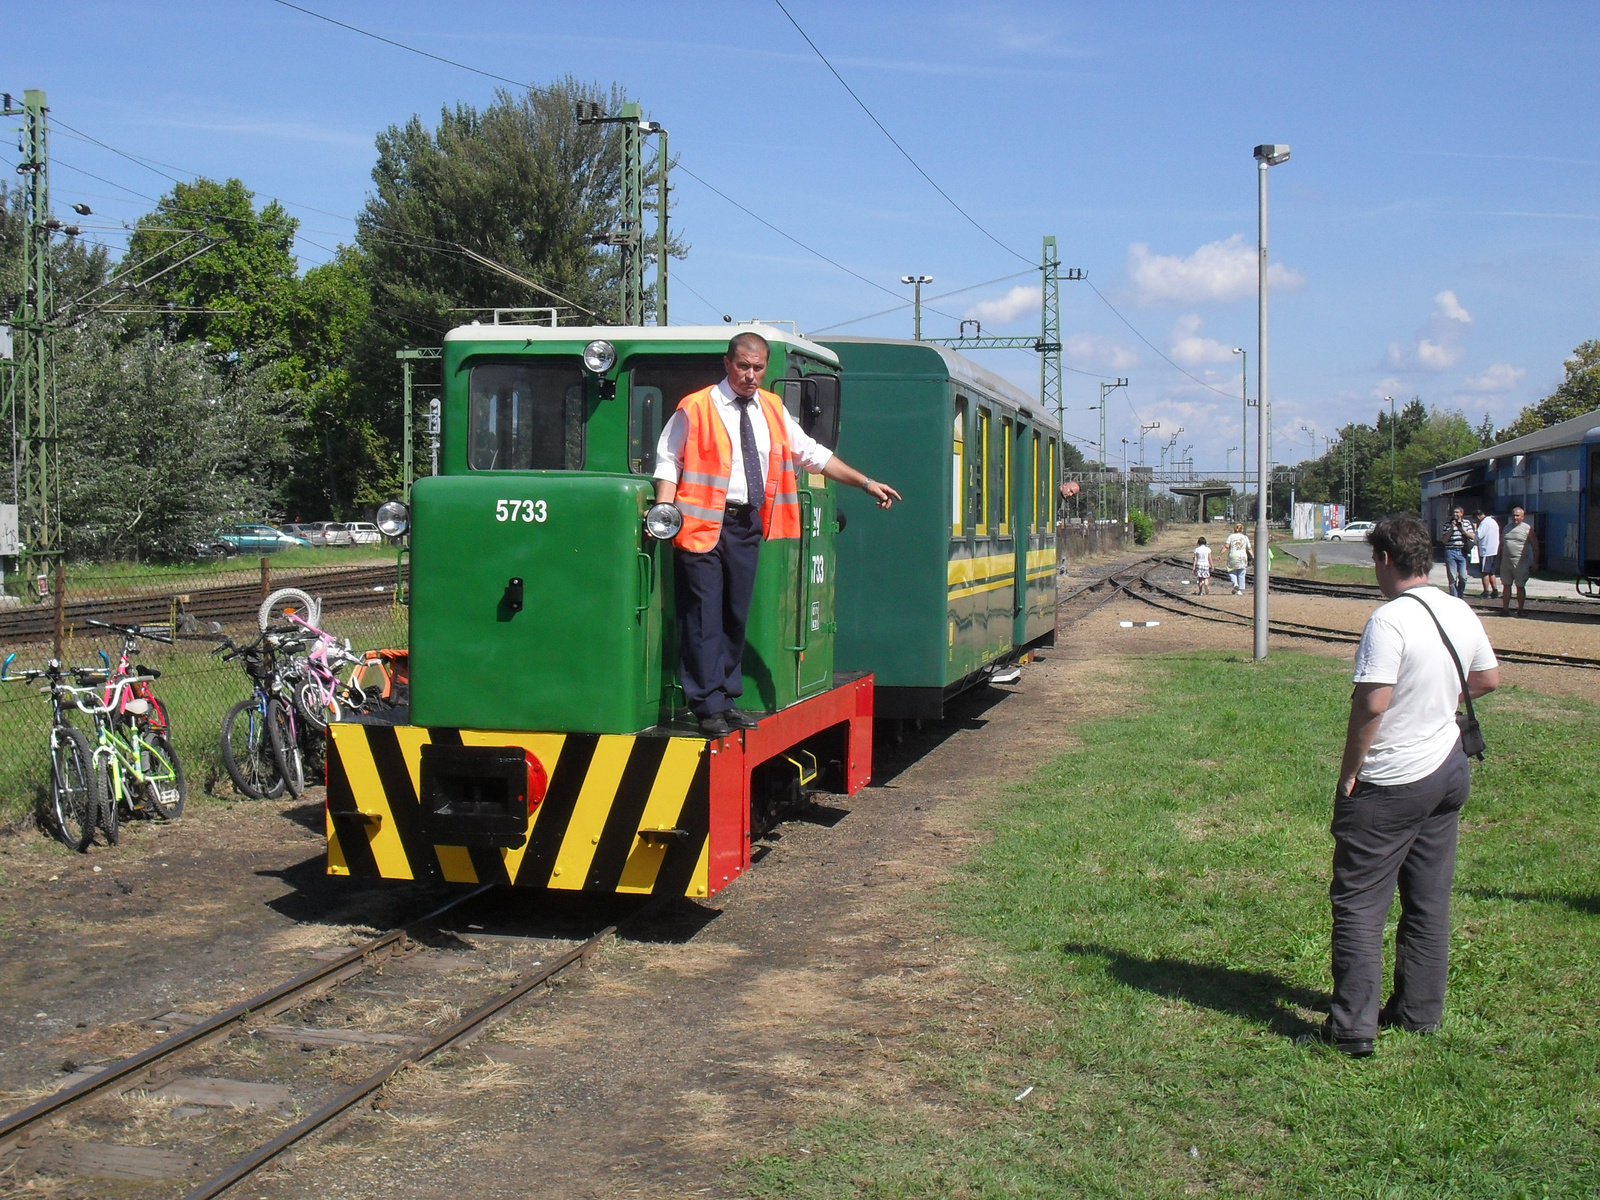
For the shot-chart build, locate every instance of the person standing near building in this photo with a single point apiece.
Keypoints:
(1519, 547)
(726, 460)
(1458, 538)
(1488, 551)
(1402, 783)
(1239, 555)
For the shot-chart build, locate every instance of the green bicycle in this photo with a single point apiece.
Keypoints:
(74, 782)
(140, 774)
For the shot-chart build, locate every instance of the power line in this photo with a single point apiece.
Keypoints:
(1152, 345)
(941, 296)
(903, 151)
(377, 37)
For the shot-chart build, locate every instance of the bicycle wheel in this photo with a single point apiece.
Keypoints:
(286, 753)
(247, 752)
(74, 786)
(163, 788)
(275, 609)
(315, 709)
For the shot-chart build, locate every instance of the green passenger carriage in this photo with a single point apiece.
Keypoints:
(936, 592)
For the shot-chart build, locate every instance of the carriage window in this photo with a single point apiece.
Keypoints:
(1005, 476)
(1052, 467)
(980, 474)
(1033, 490)
(958, 489)
(526, 416)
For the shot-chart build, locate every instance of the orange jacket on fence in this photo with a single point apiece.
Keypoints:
(708, 463)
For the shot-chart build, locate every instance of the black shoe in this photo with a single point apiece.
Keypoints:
(1353, 1047)
(740, 720)
(716, 725)
(1385, 1021)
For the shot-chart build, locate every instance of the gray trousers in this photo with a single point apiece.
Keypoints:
(1384, 836)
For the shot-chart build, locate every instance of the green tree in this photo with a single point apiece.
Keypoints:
(160, 445)
(238, 294)
(1446, 435)
(1579, 393)
(77, 267)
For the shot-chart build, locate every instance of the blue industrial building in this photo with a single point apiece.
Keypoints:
(1553, 474)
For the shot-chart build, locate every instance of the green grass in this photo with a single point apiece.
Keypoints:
(1159, 897)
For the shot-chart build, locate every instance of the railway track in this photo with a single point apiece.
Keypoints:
(26, 1135)
(1182, 605)
(228, 605)
(1576, 609)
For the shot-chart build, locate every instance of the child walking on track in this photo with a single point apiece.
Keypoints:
(1202, 567)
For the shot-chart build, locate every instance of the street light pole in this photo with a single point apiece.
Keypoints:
(1390, 399)
(916, 304)
(1244, 410)
(1266, 156)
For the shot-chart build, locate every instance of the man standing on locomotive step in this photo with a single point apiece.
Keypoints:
(727, 459)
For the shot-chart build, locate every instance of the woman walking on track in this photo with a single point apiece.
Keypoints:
(1239, 556)
(1519, 547)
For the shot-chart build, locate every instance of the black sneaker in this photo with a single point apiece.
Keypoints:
(1352, 1047)
(1387, 1021)
(740, 720)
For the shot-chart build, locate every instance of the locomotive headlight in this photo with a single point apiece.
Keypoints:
(599, 357)
(394, 518)
(662, 521)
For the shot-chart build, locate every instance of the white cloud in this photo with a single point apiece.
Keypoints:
(1096, 350)
(1186, 345)
(1501, 377)
(1224, 270)
(1019, 300)
(1439, 344)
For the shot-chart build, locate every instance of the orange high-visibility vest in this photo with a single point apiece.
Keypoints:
(708, 463)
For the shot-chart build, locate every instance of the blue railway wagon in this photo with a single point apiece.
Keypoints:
(1552, 474)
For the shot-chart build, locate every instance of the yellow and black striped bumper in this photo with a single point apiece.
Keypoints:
(623, 813)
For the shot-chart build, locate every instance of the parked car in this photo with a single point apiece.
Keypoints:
(363, 533)
(259, 539)
(299, 531)
(327, 533)
(1356, 531)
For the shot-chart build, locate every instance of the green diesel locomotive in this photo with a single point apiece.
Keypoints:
(546, 743)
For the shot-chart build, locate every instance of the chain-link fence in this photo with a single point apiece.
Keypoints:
(360, 602)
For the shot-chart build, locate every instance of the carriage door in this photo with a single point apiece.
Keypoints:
(1591, 518)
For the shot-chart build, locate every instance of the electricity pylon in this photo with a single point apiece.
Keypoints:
(628, 237)
(35, 454)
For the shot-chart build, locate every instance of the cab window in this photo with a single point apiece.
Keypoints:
(657, 382)
(526, 416)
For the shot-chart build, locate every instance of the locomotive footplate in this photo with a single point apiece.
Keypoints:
(664, 811)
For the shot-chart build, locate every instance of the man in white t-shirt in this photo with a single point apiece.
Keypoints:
(1488, 552)
(1239, 556)
(1401, 786)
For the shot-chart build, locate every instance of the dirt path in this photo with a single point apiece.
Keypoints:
(805, 987)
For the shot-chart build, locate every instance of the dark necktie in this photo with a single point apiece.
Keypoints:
(754, 481)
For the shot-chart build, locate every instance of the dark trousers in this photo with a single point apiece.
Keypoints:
(714, 591)
(1383, 836)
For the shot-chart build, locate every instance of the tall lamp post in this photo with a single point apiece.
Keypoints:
(1244, 410)
(1266, 156)
(1390, 399)
(916, 304)
(1124, 481)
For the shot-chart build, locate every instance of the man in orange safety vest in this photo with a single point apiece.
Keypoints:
(727, 459)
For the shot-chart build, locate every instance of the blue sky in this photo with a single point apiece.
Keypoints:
(1436, 233)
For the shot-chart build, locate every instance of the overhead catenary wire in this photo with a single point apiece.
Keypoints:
(1152, 345)
(906, 154)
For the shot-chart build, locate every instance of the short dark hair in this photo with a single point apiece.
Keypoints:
(1201, 542)
(1405, 539)
(753, 340)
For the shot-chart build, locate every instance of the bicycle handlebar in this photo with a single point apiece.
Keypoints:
(132, 631)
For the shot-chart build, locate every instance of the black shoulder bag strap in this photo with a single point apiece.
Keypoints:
(1472, 743)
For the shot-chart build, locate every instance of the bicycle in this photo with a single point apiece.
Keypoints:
(74, 782)
(321, 697)
(247, 749)
(142, 773)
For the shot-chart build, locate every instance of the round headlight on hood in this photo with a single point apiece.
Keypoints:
(599, 357)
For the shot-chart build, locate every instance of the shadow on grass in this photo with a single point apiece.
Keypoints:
(1257, 996)
(1578, 903)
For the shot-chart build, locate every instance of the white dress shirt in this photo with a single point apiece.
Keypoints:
(808, 452)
